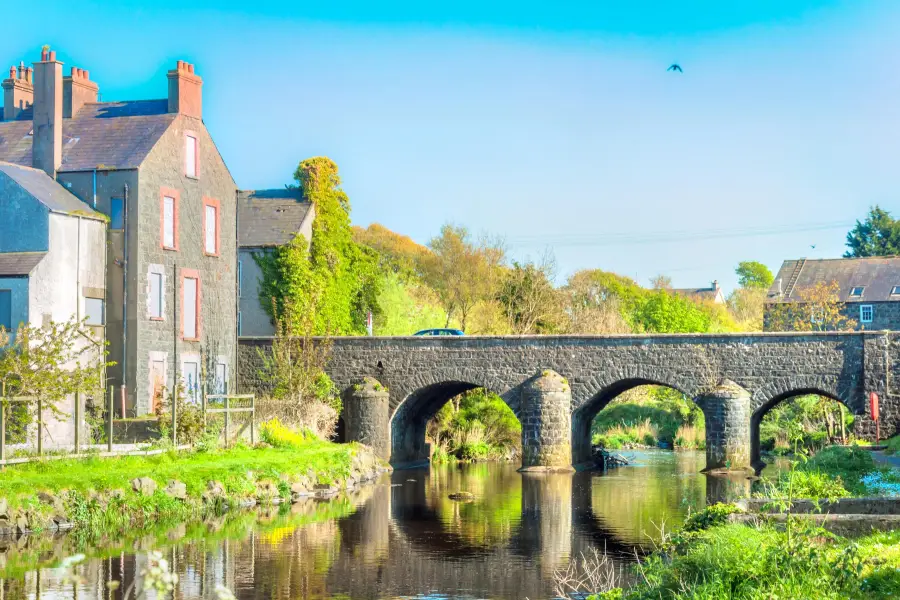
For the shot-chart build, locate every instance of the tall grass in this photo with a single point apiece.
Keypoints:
(690, 436)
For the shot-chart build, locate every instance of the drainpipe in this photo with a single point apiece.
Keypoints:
(124, 297)
(94, 195)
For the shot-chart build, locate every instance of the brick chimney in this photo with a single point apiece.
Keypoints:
(46, 151)
(185, 91)
(78, 90)
(18, 92)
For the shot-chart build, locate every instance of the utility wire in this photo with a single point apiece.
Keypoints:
(666, 237)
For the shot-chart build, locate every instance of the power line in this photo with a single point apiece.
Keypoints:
(667, 237)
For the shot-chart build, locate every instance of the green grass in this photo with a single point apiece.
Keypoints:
(743, 562)
(893, 445)
(85, 485)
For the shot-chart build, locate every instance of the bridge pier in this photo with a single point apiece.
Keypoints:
(367, 417)
(728, 409)
(546, 418)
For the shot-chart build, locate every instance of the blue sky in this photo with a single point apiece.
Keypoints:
(554, 126)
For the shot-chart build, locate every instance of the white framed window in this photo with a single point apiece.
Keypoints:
(210, 221)
(220, 385)
(857, 292)
(866, 313)
(155, 292)
(895, 291)
(93, 311)
(190, 155)
(190, 377)
(240, 277)
(190, 311)
(817, 315)
(168, 222)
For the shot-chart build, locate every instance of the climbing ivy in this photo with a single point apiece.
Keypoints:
(330, 275)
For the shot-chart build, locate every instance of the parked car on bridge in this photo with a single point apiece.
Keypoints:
(439, 332)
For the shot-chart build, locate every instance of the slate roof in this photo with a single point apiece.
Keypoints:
(116, 135)
(709, 293)
(877, 277)
(46, 190)
(14, 264)
(270, 217)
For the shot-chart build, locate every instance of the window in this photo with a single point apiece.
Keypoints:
(220, 385)
(169, 222)
(210, 227)
(239, 323)
(190, 375)
(866, 312)
(116, 213)
(190, 305)
(856, 292)
(817, 315)
(240, 276)
(93, 311)
(190, 155)
(6, 309)
(895, 291)
(155, 295)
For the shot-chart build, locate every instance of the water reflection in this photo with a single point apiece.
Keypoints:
(402, 538)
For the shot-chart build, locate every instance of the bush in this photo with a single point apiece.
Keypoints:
(474, 451)
(189, 420)
(849, 464)
(711, 516)
(277, 435)
(893, 445)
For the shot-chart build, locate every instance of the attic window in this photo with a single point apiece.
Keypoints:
(856, 292)
(895, 291)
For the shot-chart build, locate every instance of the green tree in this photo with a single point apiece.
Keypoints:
(664, 312)
(335, 278)
(819, 308)
(463, 272)
(752, 274)
(878, 235)
(529, 300)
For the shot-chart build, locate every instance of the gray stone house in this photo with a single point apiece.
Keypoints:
(266, 219)
(152, 168)
(869, 288)
(713, 293)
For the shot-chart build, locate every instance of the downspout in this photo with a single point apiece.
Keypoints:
(124, 297)
(94, 194)
(233, 389)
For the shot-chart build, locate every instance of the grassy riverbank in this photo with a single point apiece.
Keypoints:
(650, 416)
(98, 494)
(711, 559)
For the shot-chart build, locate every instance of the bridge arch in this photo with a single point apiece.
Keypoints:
(583, 416)
(773, 395)
(411, 415)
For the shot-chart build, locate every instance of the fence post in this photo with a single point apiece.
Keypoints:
(253, 420)
(3, 427)
(77, 421)
(40, 426)
(226, 420)
(109, 421)
(203, 407)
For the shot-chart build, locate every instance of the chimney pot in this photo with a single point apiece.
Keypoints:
(28, 72)
(190, 68)
(86, 74)
(12, 72)
(44, 55)
(52, 55)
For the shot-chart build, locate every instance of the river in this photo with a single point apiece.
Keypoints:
(401, 538)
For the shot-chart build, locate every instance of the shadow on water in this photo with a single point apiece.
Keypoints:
(401, 538)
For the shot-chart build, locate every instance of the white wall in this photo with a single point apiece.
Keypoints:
(56, 292)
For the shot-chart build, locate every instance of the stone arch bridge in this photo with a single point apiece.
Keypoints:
(556, 385)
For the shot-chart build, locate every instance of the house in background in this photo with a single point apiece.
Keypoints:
(52, 265)
(266, 219)
(869, 288)
(171, 253)
(711, 294)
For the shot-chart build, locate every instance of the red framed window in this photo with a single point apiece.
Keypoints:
(211, 218)
(168, 222)
(190, 305)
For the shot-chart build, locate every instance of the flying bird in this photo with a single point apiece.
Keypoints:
(675, 67)
(813, 246)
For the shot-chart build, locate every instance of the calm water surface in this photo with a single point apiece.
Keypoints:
(402, 538)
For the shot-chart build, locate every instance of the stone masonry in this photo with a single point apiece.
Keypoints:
(423, 373)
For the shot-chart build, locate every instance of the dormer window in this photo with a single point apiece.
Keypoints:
(895, 291)
(856, 292)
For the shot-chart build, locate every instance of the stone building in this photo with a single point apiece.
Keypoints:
(266, 219)
(152, 168)
(713, 293)
(869, 288)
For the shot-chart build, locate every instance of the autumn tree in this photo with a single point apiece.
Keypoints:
(529, 300)
(878, 235)
(461, 271)
(818, 308)
(661, 282)
(754, 275)
(397, 253)
(336, 279)
(599, 302)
